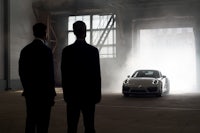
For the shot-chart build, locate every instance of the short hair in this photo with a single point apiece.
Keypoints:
(39, 30)
(79, 28)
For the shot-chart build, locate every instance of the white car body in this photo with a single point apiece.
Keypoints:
(146, 82)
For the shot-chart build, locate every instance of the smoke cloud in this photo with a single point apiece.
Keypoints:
(170, 50)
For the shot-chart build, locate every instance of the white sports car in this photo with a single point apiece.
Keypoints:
(146, 82)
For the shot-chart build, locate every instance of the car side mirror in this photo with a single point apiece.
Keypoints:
(164, 76)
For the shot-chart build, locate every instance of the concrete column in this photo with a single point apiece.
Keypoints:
(2, 59)
(7, 42)
(124, 37)
(197, 45)
(61, 23)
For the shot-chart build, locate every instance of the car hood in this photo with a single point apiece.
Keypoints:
(141, 81)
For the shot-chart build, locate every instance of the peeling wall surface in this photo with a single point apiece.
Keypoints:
(21, 21)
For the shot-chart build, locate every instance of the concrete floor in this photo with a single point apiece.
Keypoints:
(115, 114)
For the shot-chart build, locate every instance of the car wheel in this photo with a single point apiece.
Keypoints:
(159, 94)
(126, 95)
(168, 89)
(167, 92)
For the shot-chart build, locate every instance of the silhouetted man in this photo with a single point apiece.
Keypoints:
(81, 80)
(37, 76)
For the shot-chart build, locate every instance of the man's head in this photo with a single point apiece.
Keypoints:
(79, 29)
(39, 30)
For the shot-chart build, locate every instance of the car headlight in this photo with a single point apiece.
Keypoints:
(155, 82)
(126, 81)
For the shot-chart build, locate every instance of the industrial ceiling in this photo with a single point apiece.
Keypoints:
(60, 6)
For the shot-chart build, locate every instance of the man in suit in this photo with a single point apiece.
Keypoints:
(81, 80)
(36, 72)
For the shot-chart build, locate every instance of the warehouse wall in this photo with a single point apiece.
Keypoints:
(112, 69)
(21, 21)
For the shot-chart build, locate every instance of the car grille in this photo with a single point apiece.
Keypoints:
(137, 91)
(152, 89)
(140, 90)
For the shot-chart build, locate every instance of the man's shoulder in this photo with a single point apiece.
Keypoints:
(76, 46)
(89, 46)
(35, 46)
(92, 48)
(67, 47)
(27, 47)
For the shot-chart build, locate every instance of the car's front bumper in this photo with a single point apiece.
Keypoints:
(126, 90)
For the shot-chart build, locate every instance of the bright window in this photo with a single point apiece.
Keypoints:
(101, 33)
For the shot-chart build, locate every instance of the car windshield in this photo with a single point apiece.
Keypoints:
(147, 73)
